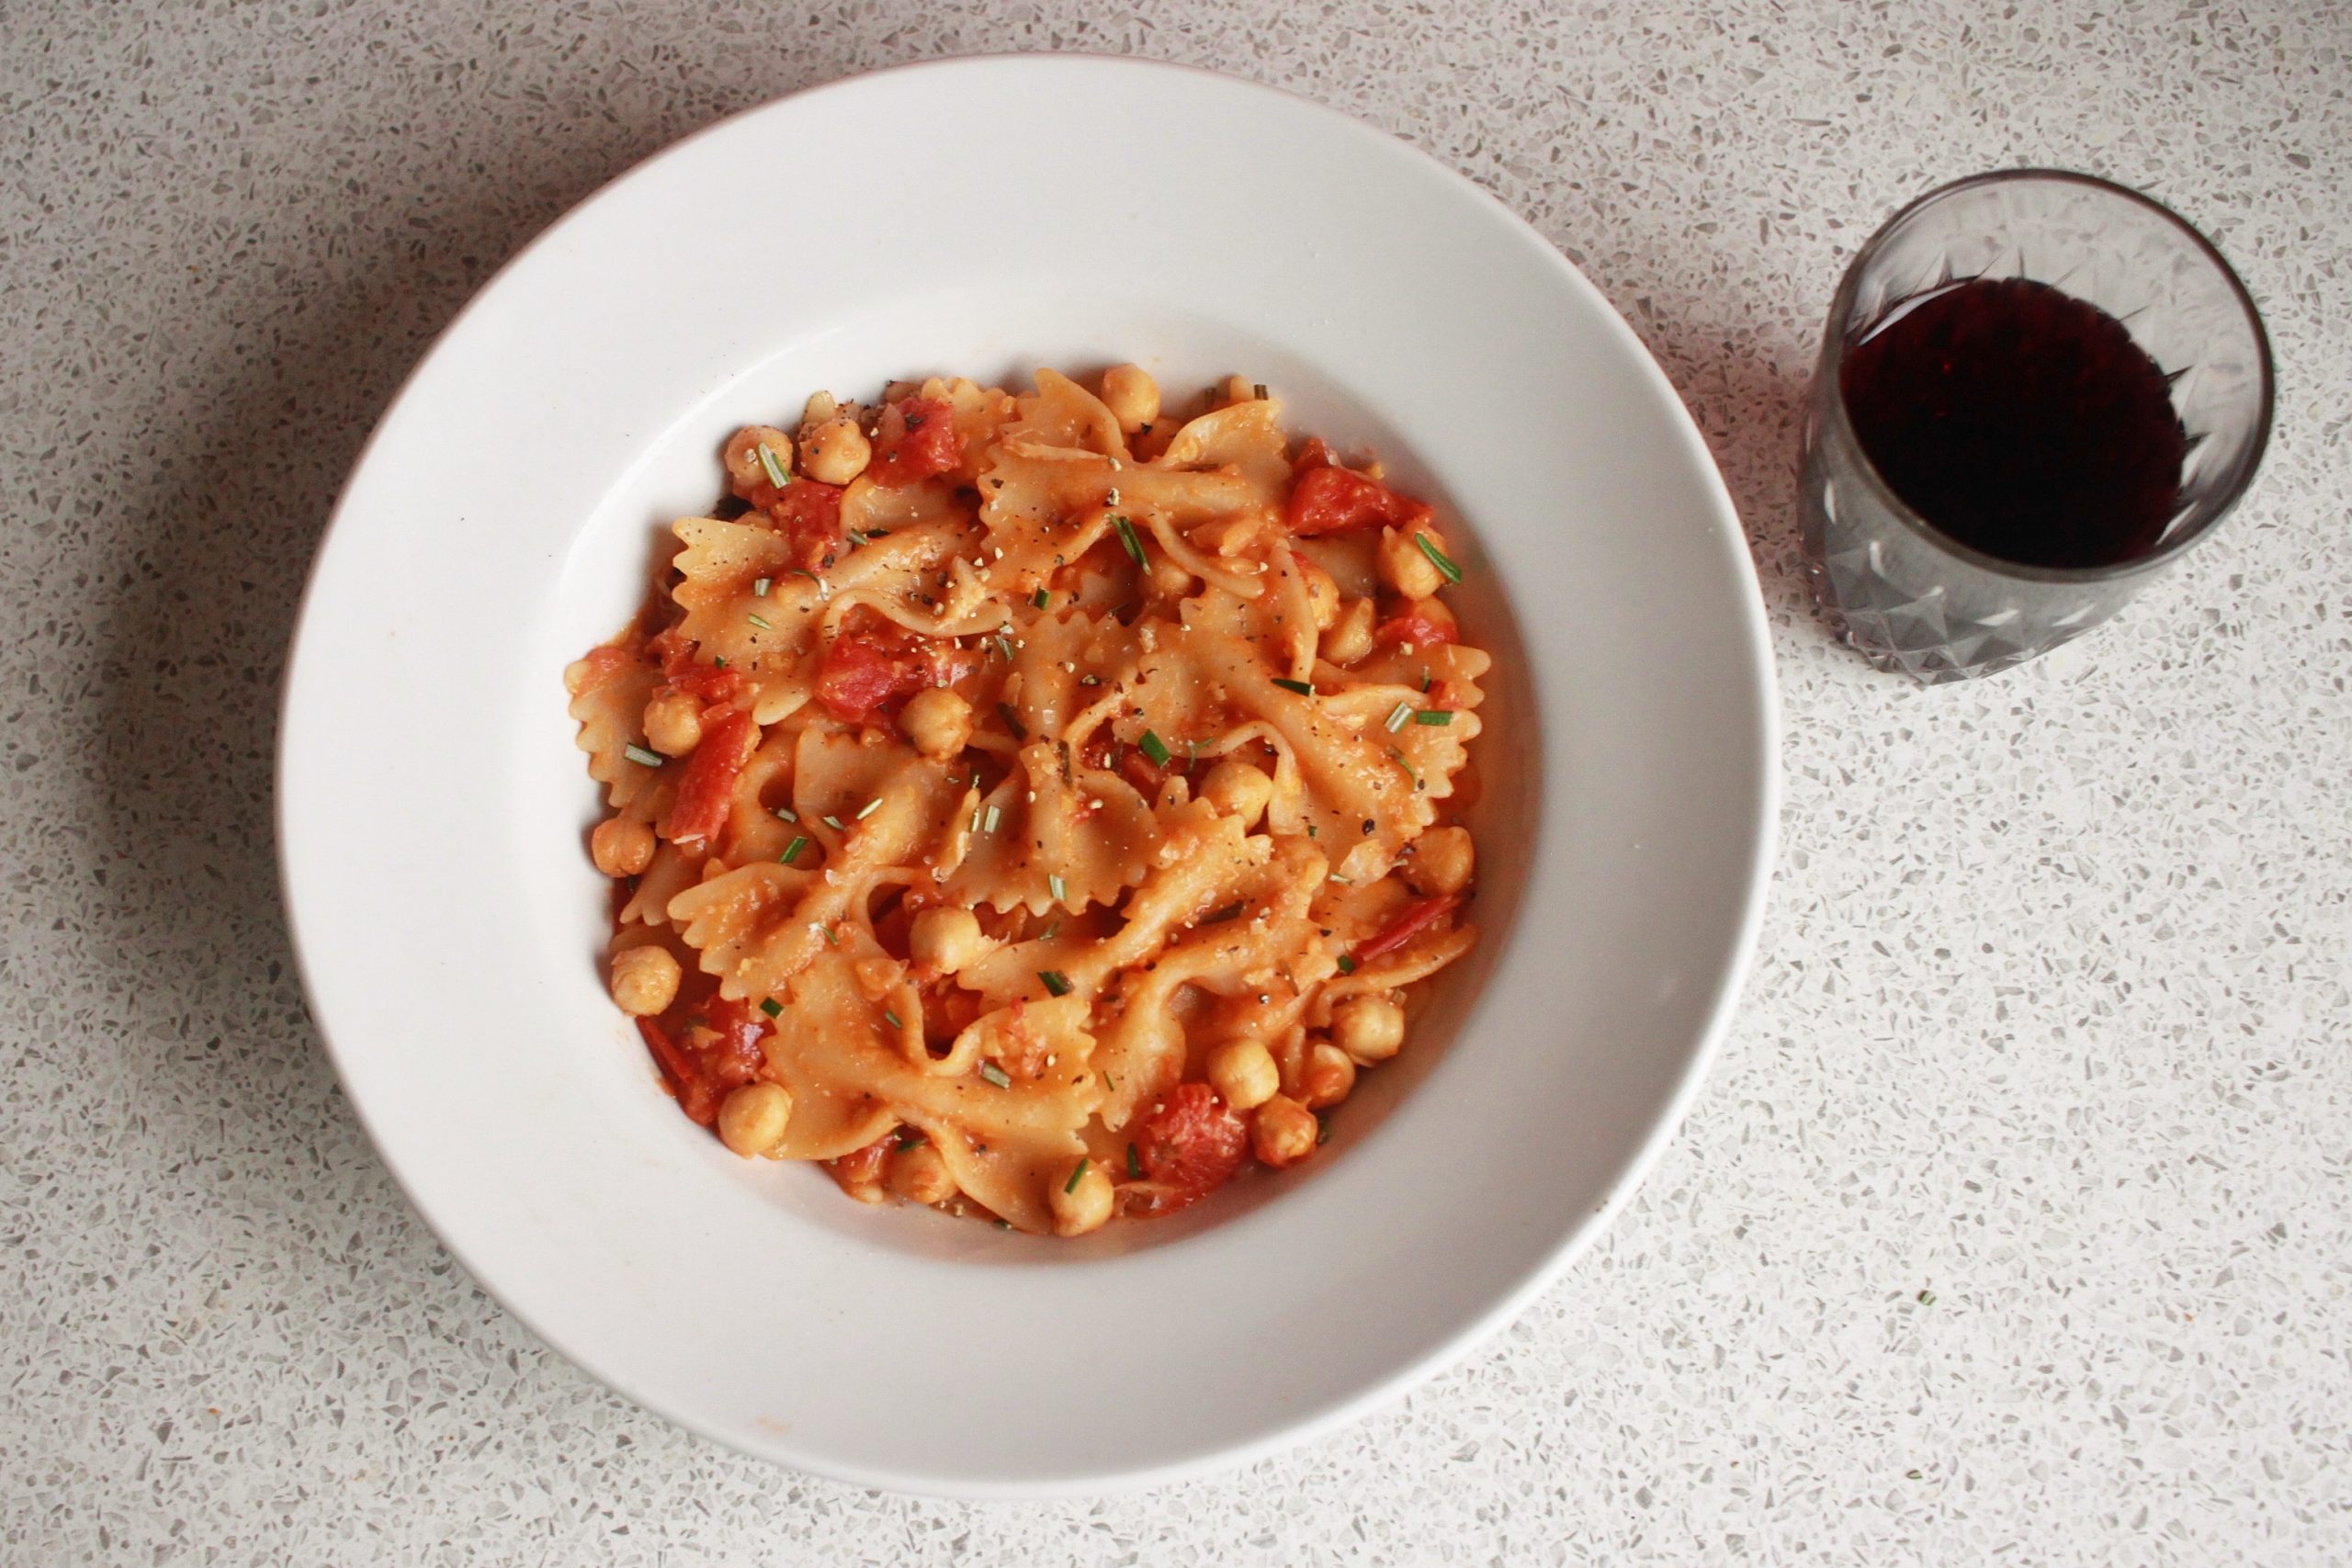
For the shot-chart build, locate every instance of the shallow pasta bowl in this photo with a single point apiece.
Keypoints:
(1069, 212)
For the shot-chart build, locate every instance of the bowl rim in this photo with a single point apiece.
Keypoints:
(1544, 1267)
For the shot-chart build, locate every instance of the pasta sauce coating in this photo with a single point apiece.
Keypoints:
(977, 809)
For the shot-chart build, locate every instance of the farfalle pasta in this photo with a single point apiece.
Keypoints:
(1039, 806)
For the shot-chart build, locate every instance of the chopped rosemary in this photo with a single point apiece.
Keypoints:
(1304, 688)
(1452, 573)
(1077, 1176)
(1050, 932)
(1347, 964)
(1409, 774)
(1135, 1164)
(1127, 537)
(776, 474)
(1090, 680)
(829, 820)
(832, 937)
(909, 1138)
(1060, 889)
(855, 538)
(1154, 748)
(1012, 721)
(785, 814)
(995, 814)
(640, 756)
(1069, 774)
(1055, 981)
(870, 808)
(975, 819)
(1397, 716)
(792, 851)
(892, 1019)
(996, 1075)
(760, 620)
(1433, 716)
(1004, 646)
(772, 1007)
(718, 662)
(759, 589)
(1041, 598)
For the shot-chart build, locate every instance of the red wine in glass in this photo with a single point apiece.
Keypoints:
(2020, 421)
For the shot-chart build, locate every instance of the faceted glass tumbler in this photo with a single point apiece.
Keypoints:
(1911, 598)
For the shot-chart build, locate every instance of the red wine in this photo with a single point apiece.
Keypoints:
(2020, 420)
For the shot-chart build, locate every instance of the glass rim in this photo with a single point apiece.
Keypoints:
(1833, 358)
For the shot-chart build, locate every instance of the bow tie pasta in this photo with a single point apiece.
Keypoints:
(1041, 807)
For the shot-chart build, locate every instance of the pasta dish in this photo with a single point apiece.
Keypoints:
(1041, 807)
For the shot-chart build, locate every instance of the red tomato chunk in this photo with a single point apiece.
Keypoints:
(1411, 625)
(1418, 917)
(865, 670)
(709, 786)
(915, 438)
(1330, 500)
(809, 515)
(1190, 1146)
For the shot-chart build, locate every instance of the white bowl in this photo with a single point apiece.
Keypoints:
(987, 216)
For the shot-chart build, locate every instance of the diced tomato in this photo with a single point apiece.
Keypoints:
(704, 682)
(1328, 500)
(856, 677)
(1442, 697)
(863, 1167)
(1105, 751)
(733, 1055)
(865, 670)
(1418, 917)
(1313, 454)
(1414, 624)
(1190, 1147)
(915, 438)
(808, 514)
(694, 1096)
(709, 786)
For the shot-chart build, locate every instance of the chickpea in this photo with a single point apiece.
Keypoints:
(1369, 1029)
(920, 1174)
(1405, 567)
(1131, 395)
(1441, 861)
(1243, 1071)
(944, 940)
(742, 454)
(1283, 1131)
(1081, 1199)
(1322, 594)
(645, 980)
(1238, 789)
(674, 724)
(1168, 577)
(834, 451)
(753, 1118)
(621, 846)
(1329, 1076)
(1349, 638)
(937, 721)
(821, 407)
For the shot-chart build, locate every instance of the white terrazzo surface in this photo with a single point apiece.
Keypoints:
(2051, 1017)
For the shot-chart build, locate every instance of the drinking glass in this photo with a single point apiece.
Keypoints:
(1909, 597)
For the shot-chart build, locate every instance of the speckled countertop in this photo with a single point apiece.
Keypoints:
(2016, 1224)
